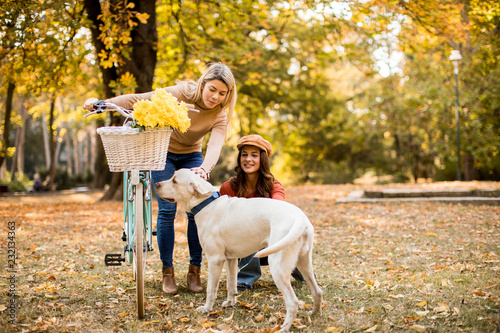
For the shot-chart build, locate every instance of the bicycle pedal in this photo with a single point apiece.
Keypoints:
(113, 259)
(154, 232)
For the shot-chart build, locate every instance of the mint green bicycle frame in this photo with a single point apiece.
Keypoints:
(129, 209)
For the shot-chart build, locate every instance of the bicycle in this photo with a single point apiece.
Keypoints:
(124, 148)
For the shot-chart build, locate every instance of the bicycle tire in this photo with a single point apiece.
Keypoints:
(139, 249)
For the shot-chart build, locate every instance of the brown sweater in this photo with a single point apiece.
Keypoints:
(207, 120)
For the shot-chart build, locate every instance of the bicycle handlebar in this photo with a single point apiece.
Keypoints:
(103, 106)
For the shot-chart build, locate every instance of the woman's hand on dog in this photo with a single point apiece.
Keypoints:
(201, 172)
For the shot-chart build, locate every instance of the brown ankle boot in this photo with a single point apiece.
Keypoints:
(193, 279)
(168, 284)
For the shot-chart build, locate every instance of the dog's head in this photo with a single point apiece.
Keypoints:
(185, 187)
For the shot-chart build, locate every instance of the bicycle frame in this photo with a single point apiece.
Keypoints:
(129, 209)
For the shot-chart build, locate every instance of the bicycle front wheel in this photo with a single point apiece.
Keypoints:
(139, 249)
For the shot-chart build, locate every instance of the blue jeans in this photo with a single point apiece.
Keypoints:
(249, 270)
(166, 212)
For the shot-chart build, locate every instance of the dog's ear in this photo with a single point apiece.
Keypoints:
(202, 188)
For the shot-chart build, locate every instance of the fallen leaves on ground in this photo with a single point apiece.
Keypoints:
(387, 266)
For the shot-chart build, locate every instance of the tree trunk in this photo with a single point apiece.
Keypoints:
(46, 142)
(52, 144)
(92, 139)
(470, 171)
(67, 141)
(141, 65)
(76, 153)
(142, 62)
(58, 149)
(18, 159)
(69, 153)
(6, 125)
(93, 9)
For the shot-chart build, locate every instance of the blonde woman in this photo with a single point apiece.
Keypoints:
(214, 95)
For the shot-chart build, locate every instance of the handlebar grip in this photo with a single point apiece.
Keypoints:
(99, 105)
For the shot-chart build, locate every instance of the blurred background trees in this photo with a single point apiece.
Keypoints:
(340, 88)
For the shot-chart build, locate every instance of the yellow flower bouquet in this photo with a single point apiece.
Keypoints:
(163, 110)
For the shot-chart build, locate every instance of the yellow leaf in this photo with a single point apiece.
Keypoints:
(229, 318)
(208, 324)
(388, 307)
(423, 303)
(418, 328)
(142, 17)
(131, 23)
(422, 313)
(442, 307)
(149, 322)
(259, 317)
(3, 308)
(332, 329)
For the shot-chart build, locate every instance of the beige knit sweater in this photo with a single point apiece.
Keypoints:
(207, 120)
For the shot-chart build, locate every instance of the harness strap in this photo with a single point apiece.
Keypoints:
(196, 209)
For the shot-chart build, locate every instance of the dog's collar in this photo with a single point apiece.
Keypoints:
(196, 209)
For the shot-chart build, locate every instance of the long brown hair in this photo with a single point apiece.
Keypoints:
(265, 182)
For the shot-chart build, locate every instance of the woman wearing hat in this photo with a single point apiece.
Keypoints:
(253, 179)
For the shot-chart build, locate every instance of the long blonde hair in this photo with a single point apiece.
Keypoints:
(218, 71)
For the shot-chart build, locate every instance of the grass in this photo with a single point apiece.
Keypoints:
(385, 267)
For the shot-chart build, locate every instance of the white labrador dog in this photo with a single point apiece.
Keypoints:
(230, 228)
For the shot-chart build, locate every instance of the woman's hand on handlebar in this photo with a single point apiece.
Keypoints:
(89, 104)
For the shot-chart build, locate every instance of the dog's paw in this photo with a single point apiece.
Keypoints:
(225, 304)
(202, 309)
(314, 312)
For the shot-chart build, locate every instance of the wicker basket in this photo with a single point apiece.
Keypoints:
(128, 148)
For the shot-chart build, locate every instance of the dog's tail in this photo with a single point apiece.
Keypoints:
(293, 235)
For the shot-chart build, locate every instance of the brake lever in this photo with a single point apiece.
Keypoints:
(99, 106)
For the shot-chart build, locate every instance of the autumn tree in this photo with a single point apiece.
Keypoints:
(415, 105)
(125, 40)
(41, 48)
